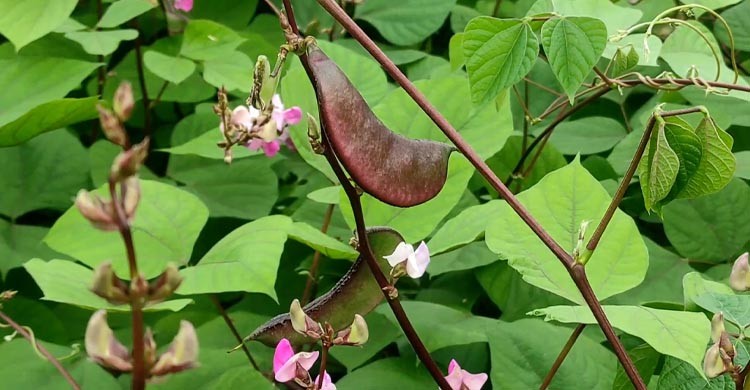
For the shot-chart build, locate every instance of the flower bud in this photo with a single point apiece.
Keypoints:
(717, 327)
(108, 286)
(182, 353)
(739, 279)
(131, 195)
(165, 285)
(302, 323)
(356, 334)
(149, 348)
(111, 126)
(123, 101)
(713, 364)
(127, 163)
(96, 211)
(726, 345)
(102, 346)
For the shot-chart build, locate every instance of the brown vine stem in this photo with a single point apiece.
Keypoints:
(233, 329)
(142, 80)
(323, 363)
(576, 272)
(561, 357)
(312, 278)
(615, 203)
(51, 358)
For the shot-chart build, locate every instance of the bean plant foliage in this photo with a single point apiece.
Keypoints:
(377, 194)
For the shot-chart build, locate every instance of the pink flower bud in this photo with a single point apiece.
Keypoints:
(739, 279)
(111, 126)
(96, 211)
(165, 285)
(183, 5)
(102, 346)
(182, 353)
(123, 101)
(460, 379)
(127, 163)
(108, 286)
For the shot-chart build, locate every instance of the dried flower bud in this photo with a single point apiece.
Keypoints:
(356, 334)
(111, 126)
(739, 279)
(149, 348)
(717, 326)
(713, 364)
(131, 195)
(182, 353)
(123, 101)
(102, 346)
(165, 285)
(96, 211)
(127, 163)
(108, 286)
(302, 323)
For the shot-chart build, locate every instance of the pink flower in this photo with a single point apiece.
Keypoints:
(284, 117)
(327, 384)
(460, 379)
(183, 5)
(286, 362)
(416, 261)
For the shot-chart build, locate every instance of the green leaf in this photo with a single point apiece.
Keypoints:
(406, 22)
(615, 17)
(521, 353)
(573, 46)
(165, 227)
(736, 308)
(25, 21)
(47, 117)
(247, 259)
(738, 23)
(689, 150)
(388, 373)
(658, 168)
(122, 11)
(589, 135)
(460, 17)
(207, 40)
(560, 202)
(712, 4)
(712, 228)
(52, 79)
(503, 163)
(743, 164)
(679, 375)
(19, 243)
(232, 13)
(675, 333)
(498, 54)
(204, 145)
(246, 189)
(172, 69)
(473, 255)
(464, 228)
(45, 172)
(624, 60)
(693, 286)
(327, 195)
(717, 164)
(231, 71)
(67, 282)
(101, 42)
(632, 52)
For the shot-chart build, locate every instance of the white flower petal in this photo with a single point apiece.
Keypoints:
(400, 254)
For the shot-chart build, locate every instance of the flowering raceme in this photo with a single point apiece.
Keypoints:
(273, 132)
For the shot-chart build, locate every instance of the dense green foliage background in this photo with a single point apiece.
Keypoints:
(494, 298)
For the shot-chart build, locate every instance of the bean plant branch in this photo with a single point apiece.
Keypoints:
(561, 357)
(39, 347)
(235, 333)
(312, 275)
(576, 271)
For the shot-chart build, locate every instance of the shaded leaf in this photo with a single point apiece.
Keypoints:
(658, 168)
(406, 22)
(736, 308)
(25, 21)
(588, 135)
(464, 228)
(19, 243)
(47, 117)
(172, 69)
(207, 40)
(122, 11)
(101, 42)
(717, 163)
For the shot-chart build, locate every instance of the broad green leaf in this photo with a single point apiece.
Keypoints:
(743, 164)
(49, 116)
(503, 163)
(25, 21)
(165, 227)
(460, 17)
(658, 168)
(416, 223)
(679, 375)
(172, 69)
(560, 202)
(712, 228)
(122, 11)
(645, 359)
(736, 18)
(204, 145)
(635, 54)
(623, 60)
(67, 282)
(498, 54)
(717, 164)
(464, 228)
(327, 195)
(52, 79)
(388, 373)
(689, 150)
(247, 259)
(101, 42)
(232, 71)
(399, 55)
(615, 17)
(693, 286)
(207, 40)
(523, 351)
(19, 243)
(246, 189)
(45, 172)
(573, 45)
(588, 135)
(712, 4)
(232, 13)
(456, 51)
(406, 22)
(736, 308)
(675, 333)
(473, 255)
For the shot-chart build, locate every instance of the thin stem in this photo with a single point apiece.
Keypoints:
(615, 203)
(542, 87)
(561, 357)
(323, 363)
(234, 331)
(157, 99)
(684, 82)
(273, 7)
(51, 358)
(496, 9)
(356, 32)
(604, 77)
(142, 80)
(523, 104)
(312, 276)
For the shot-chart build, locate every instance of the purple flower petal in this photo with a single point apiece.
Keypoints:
(283, 353)
(183, 5)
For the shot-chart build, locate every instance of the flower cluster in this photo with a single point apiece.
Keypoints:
(289, 366)
(263, 131)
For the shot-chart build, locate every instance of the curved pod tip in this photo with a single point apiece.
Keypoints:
(394, 169)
